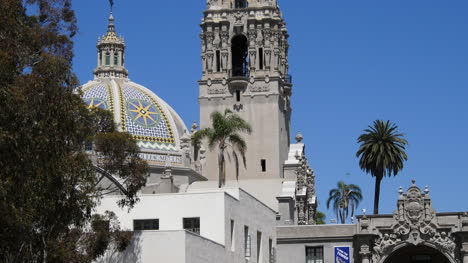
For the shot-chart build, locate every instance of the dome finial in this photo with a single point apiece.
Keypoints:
(111, 50)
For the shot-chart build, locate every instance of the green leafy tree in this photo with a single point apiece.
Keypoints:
(344, 198)
(225, 133)
(320, 218)
(382, 153)
(48, 183)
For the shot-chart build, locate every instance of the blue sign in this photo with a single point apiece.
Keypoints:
(342, 255)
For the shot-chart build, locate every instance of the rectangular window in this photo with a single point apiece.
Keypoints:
(270, 251)
(238, 95)
(88, 146)
(192, 224)
(107, 58)
(145, 224)
(233, 240)
(116, 59)
(247, 243)
(263, 164)
(260, 58)
(259, 246)
(218, 61)
(314, 254)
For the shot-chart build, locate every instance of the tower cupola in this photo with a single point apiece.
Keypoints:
(111, 51)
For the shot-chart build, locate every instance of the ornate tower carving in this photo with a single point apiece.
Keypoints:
(245, 69)
(110, 57)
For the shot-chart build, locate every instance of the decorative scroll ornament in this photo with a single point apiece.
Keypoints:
(414, 223)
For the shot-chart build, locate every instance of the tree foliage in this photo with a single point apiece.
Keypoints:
(382, 153)
(225, 133)
(320, 218)
(344, 197)
(48, 184)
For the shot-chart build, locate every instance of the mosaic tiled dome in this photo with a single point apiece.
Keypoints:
(138, 111)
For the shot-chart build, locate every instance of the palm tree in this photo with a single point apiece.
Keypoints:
(224, 133)
(382, 153)
(344, 198)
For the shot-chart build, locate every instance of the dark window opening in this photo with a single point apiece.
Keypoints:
(260, 58)
(259, 246)
(247, 244)
(145, 224)
(263, 164)
(116, 59)
(238, 95)
(241, 3)
(314, 254)
(100, 58)
(192, 224)
(218, 61)
(107, 58)
(239, 52)
(88, 146)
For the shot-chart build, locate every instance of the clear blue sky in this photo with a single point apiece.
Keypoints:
(352, 62)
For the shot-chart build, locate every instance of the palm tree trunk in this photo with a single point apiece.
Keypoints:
(378, 180)
(221, 167)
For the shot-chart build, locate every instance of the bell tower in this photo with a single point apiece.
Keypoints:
(245, 69)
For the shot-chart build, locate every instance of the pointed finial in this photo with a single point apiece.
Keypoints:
(413, 181)
(401, 190)
(111, 2)
(426, 189)
(299, 137)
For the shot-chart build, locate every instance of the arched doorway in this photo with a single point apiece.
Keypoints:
(417, 254)
(239, 52)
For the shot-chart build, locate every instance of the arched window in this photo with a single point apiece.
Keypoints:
(100, 58)
(239, 53)
(116, 59)
(241, 3)
(107, 58)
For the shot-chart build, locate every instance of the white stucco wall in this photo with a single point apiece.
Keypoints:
(170, 209)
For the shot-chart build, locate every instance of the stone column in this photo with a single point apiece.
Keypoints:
(365, 254)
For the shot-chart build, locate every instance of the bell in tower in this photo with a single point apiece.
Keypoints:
(245, 69)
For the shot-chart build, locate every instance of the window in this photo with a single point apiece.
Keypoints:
(241, 3)
(314, 254)
(116, 59)
(263, 164)
(259, 246)
(233, 240)
(107, 58)
(239, 54)
(88, 145)
(238, 95)
(260, 58)
(100, 58)
(146, 224)
(247, 243)
(270, 251)
(192, 224)
(218, 61)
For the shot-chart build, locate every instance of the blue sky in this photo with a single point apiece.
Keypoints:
(352, 62)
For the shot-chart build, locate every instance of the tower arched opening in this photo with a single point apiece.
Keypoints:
(241, 4)
(417, 254)
(239, 52)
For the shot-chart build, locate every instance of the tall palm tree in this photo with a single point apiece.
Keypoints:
(382, 153)
(224, 133)
(344, 198)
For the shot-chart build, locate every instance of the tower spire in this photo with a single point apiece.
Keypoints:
(111, 50)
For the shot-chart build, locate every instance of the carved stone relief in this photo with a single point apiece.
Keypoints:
(415, 223)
